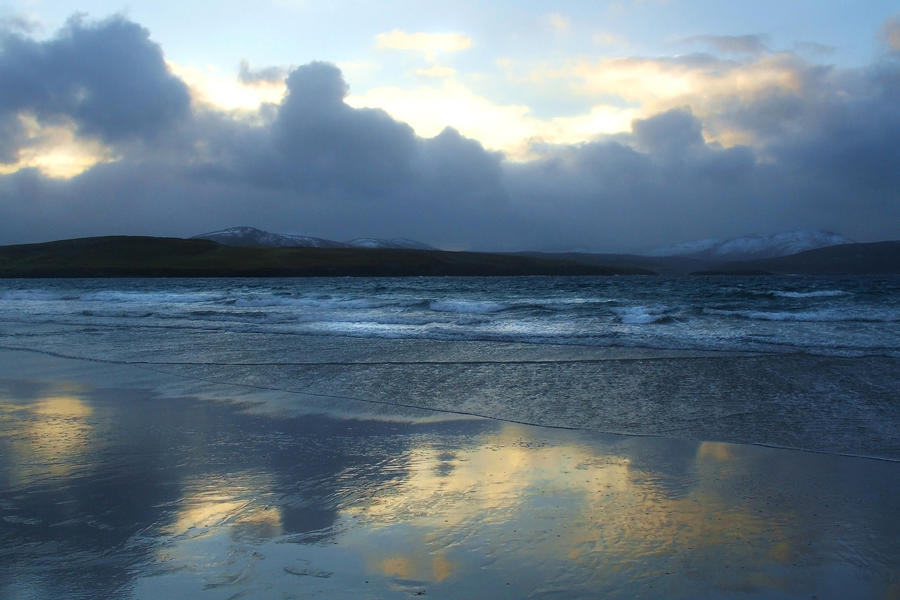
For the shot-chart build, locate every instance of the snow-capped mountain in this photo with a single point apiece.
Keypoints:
(755, 246)
(390, 243)
(251, 236)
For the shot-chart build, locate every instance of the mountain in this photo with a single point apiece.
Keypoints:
(253, 237)
(753, 247)
(877, 258)
(390, 243)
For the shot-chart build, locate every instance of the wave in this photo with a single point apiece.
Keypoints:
(467, 306)
(824, 315)
(645, 315)
(815, 294)
(146, 297)
(314, 302)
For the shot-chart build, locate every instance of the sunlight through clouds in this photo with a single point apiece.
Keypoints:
(225, 92)
(56, 150)
(507, 128)
(128, 95)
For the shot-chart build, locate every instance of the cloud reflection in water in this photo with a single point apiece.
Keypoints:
(175, 497)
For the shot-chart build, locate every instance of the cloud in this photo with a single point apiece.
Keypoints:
(20, 23)
(733, 44)
(212, 90)
(105, 82)
(811, 147)
(432, 108)
(109, 78)
(265, 75)
(890, 33)
(429, 44)
(670, 133)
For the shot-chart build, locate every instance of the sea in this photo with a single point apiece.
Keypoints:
(536, 437)
(789, 361)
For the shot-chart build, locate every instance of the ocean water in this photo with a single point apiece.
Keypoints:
(449, 438)
(802, 362)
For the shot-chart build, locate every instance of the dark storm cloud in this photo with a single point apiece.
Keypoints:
(109, 78)
(824, 155)
(670, 133)
(661, 182)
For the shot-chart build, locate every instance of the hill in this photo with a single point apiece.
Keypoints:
(126, 256)
(847, 259)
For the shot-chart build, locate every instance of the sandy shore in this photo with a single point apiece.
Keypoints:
(121, 482)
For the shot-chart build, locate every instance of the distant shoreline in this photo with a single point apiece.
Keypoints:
(124, 256)
(138, 256)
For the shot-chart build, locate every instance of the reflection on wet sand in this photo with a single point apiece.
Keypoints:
(49, 438)
(173, 497)
(218, 504)
(566, 503)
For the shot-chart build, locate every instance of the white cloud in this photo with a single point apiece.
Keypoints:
(650, 85)
(429, 109)
(429, 44)
(509, 128)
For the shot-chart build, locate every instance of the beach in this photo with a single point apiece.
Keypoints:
(122, 481)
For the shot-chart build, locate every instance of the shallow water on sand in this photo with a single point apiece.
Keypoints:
(800, 362)
(141, 491)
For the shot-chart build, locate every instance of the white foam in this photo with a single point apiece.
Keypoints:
(825, 315)
(643, 315)
(151, 297)
(467, 306)
(815, 294)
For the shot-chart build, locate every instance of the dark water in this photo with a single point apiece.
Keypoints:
(789, 361)
(823, 316)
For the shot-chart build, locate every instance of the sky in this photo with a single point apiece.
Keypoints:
(620, 125)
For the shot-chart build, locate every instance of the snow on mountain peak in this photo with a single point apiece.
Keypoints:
(754, 246)
(251, 236)
(389, 243)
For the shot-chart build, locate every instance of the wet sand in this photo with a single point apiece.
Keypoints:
(121, 482)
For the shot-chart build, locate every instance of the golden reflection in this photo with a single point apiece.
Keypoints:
(216, 505)
(574, 503)
(52, 436)
(417, 567)
(488, 481)
(61, 406)
(716, 451)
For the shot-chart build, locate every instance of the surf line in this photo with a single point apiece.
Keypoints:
(447, 411)
(710, 355)
(148, 366)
